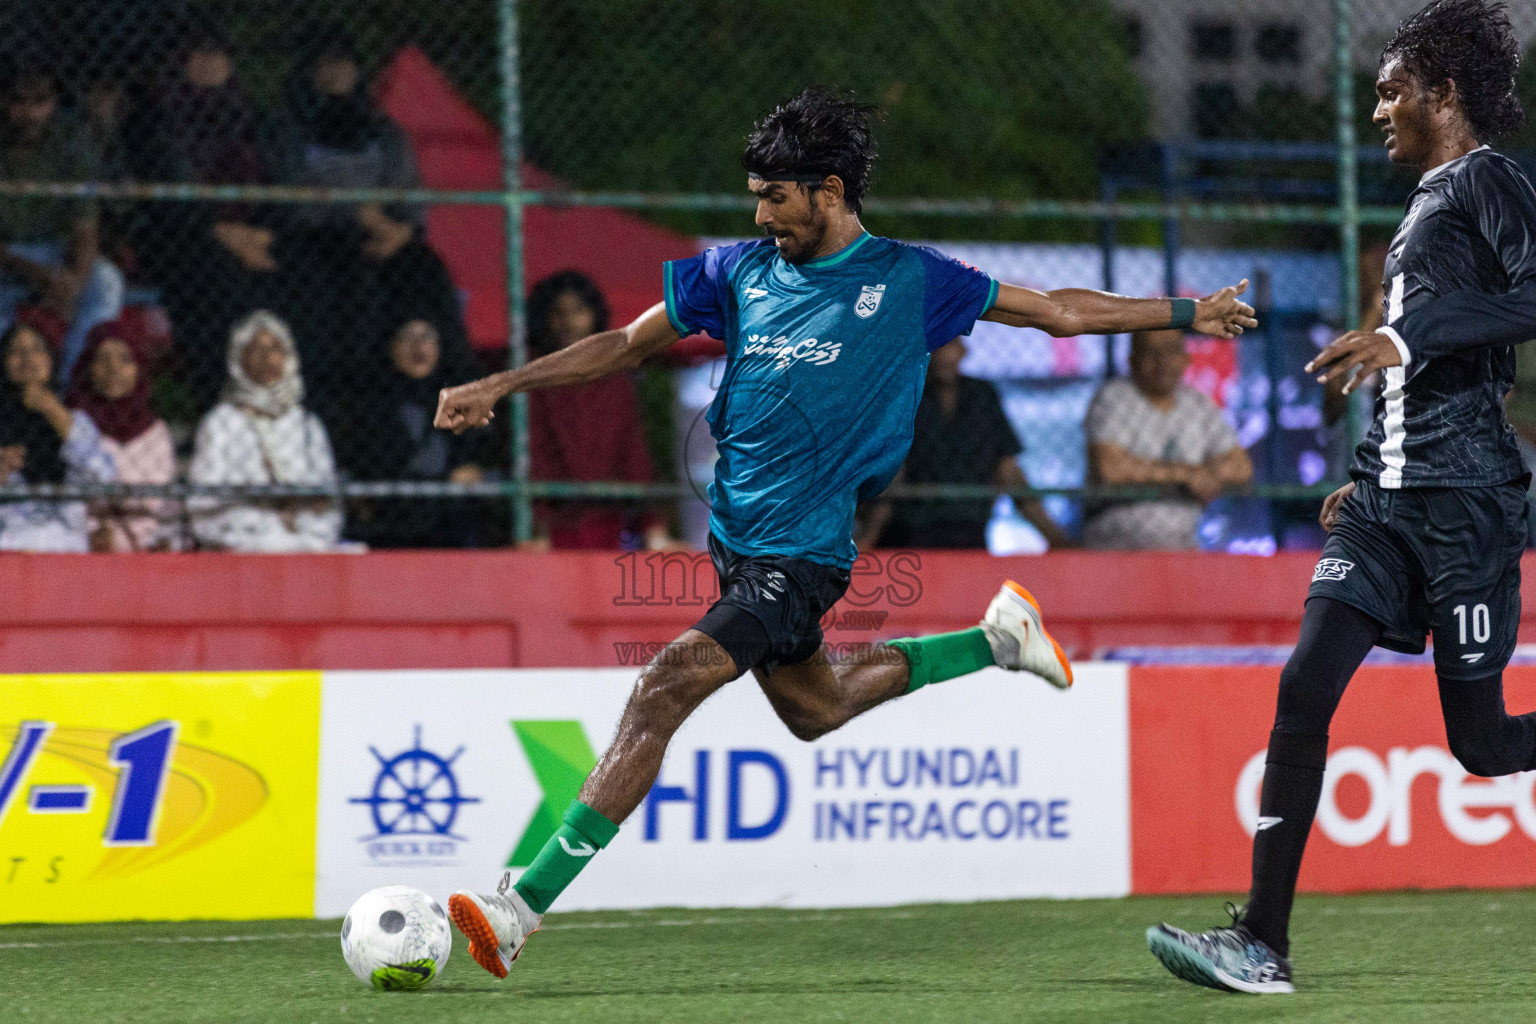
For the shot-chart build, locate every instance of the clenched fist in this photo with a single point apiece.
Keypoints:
(466, 406)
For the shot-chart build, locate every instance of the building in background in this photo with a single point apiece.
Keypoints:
(1206, 62)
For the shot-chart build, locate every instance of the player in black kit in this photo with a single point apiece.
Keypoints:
(1428, 537)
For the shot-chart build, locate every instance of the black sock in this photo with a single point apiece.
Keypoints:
(1293, 782)
(1334, 640)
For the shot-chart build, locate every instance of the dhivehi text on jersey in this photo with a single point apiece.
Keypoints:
(783, 351)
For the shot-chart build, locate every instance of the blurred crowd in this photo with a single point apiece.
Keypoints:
(1149, 433)
(276, 344)
(250, 344)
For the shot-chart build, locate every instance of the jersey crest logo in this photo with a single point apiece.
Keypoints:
(869, 301)
(755, 293)
(1331, 569)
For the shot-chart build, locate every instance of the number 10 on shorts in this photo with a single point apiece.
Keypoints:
(1480, 627)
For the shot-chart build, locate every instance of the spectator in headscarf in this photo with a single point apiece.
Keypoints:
(261, 434)
(392, 438)
(213, 261)
(43, 442)
(351, 263)
(111, 385)
(586, 431)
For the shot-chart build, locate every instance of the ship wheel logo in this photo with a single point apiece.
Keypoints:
(415, 793)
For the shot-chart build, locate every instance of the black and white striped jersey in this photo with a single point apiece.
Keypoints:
(1460, 292)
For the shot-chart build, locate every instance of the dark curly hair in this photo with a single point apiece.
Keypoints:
(1471, 43)
(820, 132)
(541, 302)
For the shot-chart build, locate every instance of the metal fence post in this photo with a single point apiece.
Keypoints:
(1349, 197)
(1172, 229)
(517, 335)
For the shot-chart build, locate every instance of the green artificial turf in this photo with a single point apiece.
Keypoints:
(1459, 956)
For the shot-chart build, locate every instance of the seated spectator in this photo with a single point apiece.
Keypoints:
(585, 431)
(214, 262)
(111, 385)
(390, 437)
(1155, 431)
(104, 107)
(960, 436)
(350, 263)
(42, 442)
(49, 248)
(261, 434)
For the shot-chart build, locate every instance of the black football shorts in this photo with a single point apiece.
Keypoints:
(1440, 561)
(770, 606)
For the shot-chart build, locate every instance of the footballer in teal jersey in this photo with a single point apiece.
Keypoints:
(825, 366)
(827, 331)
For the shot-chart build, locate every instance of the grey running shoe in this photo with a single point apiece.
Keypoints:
(1231, 959)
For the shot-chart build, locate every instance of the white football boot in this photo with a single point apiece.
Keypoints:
(1019, 640)
(496, 926)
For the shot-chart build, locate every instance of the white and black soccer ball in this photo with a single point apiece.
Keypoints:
(396, 938)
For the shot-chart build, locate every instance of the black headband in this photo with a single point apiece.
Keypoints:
(804, 179)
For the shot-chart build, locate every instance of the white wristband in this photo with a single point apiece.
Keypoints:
(1397, 339)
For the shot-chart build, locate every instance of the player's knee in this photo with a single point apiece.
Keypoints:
(807, 722)
(1302, 705)
(1480, 757)
(1291, 709)
(1476, 761)
(661, 699)
(807, 730)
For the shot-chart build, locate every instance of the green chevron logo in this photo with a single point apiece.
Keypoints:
(561, 758)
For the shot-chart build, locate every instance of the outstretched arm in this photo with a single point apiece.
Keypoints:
(598, 355)
(1070, 311)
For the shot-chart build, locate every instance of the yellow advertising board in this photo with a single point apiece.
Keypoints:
(158, 796)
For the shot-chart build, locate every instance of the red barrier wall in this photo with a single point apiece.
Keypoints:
(508, 608)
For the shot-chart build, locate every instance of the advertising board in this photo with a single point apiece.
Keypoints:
(158, 796)
(1397, 810)
(989, 787)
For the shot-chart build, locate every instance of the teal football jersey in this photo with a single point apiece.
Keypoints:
(825, 363)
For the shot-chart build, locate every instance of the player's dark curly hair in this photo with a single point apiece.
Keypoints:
(821, 131)
(1471, 43)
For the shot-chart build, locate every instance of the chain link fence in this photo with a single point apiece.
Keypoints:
(245, 244)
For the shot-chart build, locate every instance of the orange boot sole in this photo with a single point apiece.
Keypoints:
(1061, 655)
(483, 947)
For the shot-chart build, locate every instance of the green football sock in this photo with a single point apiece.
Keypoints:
(584, 833)
(933, 659)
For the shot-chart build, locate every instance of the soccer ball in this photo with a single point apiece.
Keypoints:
(396, 938)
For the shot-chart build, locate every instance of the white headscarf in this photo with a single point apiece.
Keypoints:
(275, 399)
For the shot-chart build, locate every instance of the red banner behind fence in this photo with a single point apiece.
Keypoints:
(1397, 811)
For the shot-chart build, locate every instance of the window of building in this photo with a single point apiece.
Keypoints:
(1213, 40)
(1130, 26)
(1278, 43)
(1216, 111)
